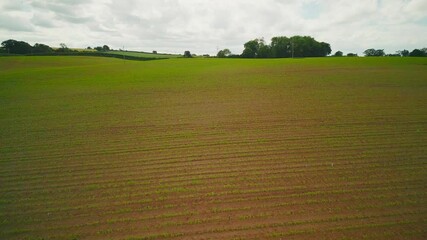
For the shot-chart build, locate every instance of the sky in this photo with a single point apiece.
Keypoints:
(206, 26)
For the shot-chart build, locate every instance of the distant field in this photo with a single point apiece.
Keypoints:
(101, 148)
(144, 55)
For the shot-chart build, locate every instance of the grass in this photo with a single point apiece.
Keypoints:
(144, 54)
(212, 148)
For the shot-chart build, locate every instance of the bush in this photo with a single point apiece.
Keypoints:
(187, 54)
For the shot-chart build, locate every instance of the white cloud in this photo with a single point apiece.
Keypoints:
(203, 25)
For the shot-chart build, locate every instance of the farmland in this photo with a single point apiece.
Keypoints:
(102, 148)
(143, 54)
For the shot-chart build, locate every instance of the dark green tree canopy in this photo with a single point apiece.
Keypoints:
(403, 53)
(187, 54)
(369, 52)
(374, 52)
(224, 53)
(338, 54)
(251, 49)
(264, 50)
(20, 47)
(42, 48)
(351, 55)
(418, 53)
(282, 47)
(63, 48)
(16, 47)
(104, 48)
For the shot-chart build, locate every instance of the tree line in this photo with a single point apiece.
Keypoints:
(282, 47)
(380, 53)
(341, 54)
(20, 47)
(12, 46)
(305, 46)
(402, 53)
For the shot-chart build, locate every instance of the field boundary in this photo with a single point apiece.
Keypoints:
(89, 54)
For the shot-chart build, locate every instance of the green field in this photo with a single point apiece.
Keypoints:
(144, 54)
(101, 148)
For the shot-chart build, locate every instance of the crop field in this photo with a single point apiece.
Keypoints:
(102, 148)
(144, 54)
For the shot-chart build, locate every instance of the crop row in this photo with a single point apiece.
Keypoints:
(197, 144)
(271, 207)
(250, 173)
(351, 227)
(249, 225)
(246, 171)
(161, 201)
(231, 195)
(119, 145)
(170, 165)
(266, 135)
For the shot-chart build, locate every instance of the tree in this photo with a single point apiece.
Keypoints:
(251, 49)
(324, 50)
(256, 48)
(280, 47)
(41, 48)
(374, 52)
(264, 50)
(302, 46)
(351, 54)
(187, 54)
(16, 47)
(403, 53)
(338, 54)
(379, 53)
(63, 48)
(417, 53)
(393, 55)
(298, 46)
(104, 48)
(224, 53)
(369, 52)
(306, 46)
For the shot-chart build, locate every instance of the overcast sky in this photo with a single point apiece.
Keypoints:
(202, 26)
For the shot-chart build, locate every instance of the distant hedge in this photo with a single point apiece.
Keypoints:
(94, 54)
(13, 47)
